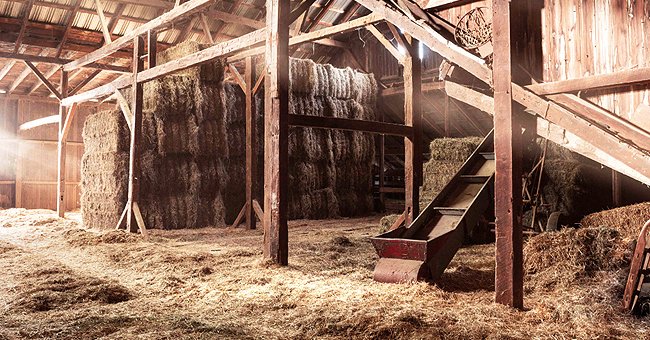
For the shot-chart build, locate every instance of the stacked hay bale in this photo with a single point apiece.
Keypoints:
(193, 148)
(330, 171)
(184, 153)
(447, 156)
(104, 168)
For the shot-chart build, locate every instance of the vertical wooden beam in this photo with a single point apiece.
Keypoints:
(251, 160)
(276, 105)
(507, 147)
(136, 134)
(413, 146)
(152, 48)
(18, 189)
(617, 192)
(60, 186)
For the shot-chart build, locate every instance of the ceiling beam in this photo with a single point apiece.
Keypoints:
(60, 61)
(184, 10)
(68, 24)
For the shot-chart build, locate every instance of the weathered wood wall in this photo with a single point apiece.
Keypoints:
(591, 37)
(28, 158)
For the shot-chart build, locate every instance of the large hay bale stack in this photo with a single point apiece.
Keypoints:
(184, 152)
(193, 152)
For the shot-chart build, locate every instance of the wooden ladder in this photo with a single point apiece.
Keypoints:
(639, 270)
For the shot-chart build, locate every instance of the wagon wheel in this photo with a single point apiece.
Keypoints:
(474, 29)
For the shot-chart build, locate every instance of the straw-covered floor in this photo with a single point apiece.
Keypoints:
(211, 283)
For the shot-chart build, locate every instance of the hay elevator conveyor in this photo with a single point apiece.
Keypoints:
(422, 250)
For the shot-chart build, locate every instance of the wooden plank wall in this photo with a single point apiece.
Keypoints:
(28, 158)
(591, 37)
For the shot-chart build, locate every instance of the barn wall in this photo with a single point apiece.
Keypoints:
(28, 159)
(591, 37)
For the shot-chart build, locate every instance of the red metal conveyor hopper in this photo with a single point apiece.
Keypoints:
(422, 250)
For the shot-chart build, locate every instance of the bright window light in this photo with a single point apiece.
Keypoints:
(3, 91)
(421, 50)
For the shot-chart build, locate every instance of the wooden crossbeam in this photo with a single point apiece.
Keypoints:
(351, 125)
(426, 87)
(601, 81)
(59, 61)
(184, 10)
(124, 106)
(84, 82)
(206, 28)
(43, 79)
(69, 118)
(238, 77)
(386, 43)
(316, 35)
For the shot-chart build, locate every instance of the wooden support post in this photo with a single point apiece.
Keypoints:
(60, 187)
(617, 193)
(251, 159)
(152, 48)
(382, 165)
(507, 147)
(412, 147)
(132, 217)
(276, 132)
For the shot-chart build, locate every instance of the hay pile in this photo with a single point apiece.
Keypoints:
(330, 172)
(184, 153)
(603, 244)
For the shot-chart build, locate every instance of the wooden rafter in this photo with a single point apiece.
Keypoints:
(206, 28)
(68, 25)
(43, 79)
(23, 26)
(84, 82)
(386, 43)
(103, 22)
(184, 10)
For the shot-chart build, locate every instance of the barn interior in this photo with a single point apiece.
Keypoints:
(464, 169)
